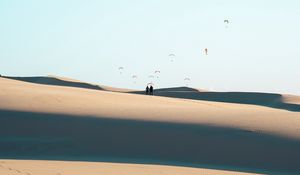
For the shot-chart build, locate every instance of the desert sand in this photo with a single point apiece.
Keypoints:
(40, 167)
(51, 118)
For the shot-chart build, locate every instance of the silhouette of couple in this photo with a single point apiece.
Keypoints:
(149, 90)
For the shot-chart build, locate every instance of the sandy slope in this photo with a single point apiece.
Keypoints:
(292, 99)
(31, 167)
(21, 96)
(66, 123)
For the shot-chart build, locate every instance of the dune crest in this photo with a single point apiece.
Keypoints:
(70, 123)
(278, 101)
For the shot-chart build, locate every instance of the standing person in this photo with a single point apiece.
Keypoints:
(147, 90)
(151, 90)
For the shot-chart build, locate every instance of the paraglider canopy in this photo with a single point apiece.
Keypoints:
(121, 69)
(186, 80)
(171, 55)
(157, 72)
(134, 77)
(226, 21)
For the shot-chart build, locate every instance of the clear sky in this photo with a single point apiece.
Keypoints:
(89, 40)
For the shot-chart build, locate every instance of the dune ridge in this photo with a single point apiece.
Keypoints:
(70, 123)
(273, 100)
(278, 101)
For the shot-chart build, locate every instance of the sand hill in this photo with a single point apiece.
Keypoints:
(51, 118)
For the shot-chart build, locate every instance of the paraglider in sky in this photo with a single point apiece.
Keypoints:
(121, 69)
(206, 51)
(187, 80)
(157, 72)
(134, 77)
(172, 55)
(226, 21)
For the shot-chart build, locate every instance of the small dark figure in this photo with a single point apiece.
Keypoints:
(151, 90)
(147, 90)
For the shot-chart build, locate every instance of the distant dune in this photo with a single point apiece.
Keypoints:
(63, 81)
(49, 118)
(58, 81)
(287, 102)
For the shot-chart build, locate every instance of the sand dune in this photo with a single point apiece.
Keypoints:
(58, 81)
(70, 123)
(291, 99)
(34, 167)
(279, 101)
(63, 81)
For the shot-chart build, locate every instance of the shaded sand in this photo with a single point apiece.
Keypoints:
(34, 167)
(66, 123)
(278, 101)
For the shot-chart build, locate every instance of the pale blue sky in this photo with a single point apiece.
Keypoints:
(89, 40)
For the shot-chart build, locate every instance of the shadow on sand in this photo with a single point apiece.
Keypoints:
(261, 99)
(27, 135)
(55, 81)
